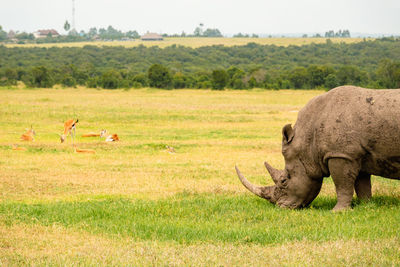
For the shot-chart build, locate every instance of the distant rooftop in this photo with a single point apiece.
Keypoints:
(151, 37)
(45, 33)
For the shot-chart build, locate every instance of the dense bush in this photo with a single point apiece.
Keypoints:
(110, 79)
(369, 63)
(219, 79)
(40, 77)
(159, 76)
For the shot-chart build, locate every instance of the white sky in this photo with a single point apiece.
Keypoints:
(229, 16)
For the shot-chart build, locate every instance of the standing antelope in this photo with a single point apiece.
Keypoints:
(69, 128)
(29, 135)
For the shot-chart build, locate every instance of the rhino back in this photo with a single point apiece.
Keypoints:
(361, 124)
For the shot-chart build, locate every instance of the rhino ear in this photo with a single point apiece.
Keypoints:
(287, 133)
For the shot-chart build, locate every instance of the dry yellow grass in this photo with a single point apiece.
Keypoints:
(193, 122)
(199, 42)
(55, 245)
(210, 131)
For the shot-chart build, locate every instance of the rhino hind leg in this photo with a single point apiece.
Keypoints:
(344, 174)
(362, 186)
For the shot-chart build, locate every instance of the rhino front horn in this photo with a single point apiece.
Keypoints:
(275, 173)
(266, 192)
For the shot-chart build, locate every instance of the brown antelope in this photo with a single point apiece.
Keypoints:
(170, 149)
(112, 138)
(82, 150)
(29, 135)
(91, 134)
(69, 128)
(19, 148)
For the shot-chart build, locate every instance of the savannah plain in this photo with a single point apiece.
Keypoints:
(195, 42)
(134, 203)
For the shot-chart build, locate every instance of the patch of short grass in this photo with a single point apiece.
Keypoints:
(36, 245)
(188, 218)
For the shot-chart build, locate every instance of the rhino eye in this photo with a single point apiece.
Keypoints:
(283, 183)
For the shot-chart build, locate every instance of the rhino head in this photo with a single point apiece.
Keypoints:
(298, 184)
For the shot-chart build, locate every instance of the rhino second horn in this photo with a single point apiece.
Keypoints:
(266, 192)
(275, 173)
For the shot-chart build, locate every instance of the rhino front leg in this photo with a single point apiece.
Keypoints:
(344, 173)
(363, 186)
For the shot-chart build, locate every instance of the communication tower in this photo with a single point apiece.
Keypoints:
(73, 15)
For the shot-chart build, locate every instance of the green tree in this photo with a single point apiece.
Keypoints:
(92, 32)
(252, 83)
(25, 36)
(67, 26)
(199, 30)
(389, 74)
(92, 82)
(299, 78)
(3, 34)
(331, 81)
(179, 80)
(237, 82)
(159, 76)
(212, 33)
(110, 79)
(132, 34)
(140, 80)
(219, 79)
(9, 77)
(351, 75)
(41, 77)
(236, 76)
(317, 75)
(68, 81)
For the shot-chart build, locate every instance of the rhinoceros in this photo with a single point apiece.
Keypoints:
(348, 133)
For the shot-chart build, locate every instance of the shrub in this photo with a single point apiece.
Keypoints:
(41, 77)
(110, 79)
(219, 79)
(68, 81)
(331, 81)
(159, 76)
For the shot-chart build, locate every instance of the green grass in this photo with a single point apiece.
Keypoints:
(189, 219)
(133, 203)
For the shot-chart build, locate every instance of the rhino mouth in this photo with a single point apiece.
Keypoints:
(289, 204)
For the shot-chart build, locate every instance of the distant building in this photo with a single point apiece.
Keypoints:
(151, 37)
(46, 33)
(11, 34)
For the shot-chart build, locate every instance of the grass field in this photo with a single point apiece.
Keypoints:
(133, 203)
(198, 42)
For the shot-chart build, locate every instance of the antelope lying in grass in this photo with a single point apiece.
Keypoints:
(170, 149)
(19, 148)
(103, 133)
(112, 138)
(69, 128)
(29, 135)
(82, 150)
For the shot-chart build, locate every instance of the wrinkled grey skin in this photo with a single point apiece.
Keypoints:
(349, 133)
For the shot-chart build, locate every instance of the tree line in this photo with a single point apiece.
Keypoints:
(94, 34)
(112, 34)
(374, 64)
